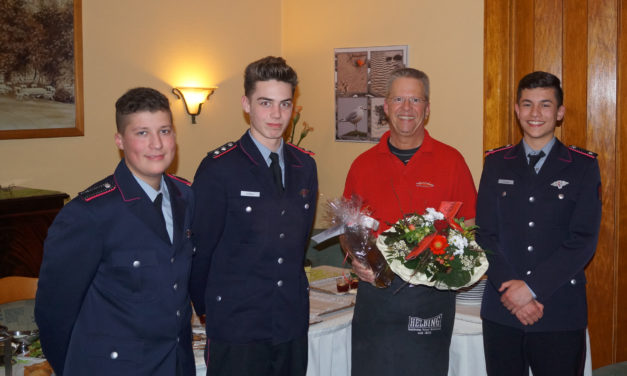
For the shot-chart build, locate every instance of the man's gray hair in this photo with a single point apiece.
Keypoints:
(410, 73)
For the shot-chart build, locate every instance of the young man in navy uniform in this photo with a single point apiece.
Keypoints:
(538, 212)
(255, 203)
(112, 296)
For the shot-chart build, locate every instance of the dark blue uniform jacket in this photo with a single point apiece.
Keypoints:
(247, 275)
(112, 296)
(540, 229)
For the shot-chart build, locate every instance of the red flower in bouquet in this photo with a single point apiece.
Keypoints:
(438, 245)
(454, 259)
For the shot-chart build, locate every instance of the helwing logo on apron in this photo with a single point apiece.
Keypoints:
(424, 326)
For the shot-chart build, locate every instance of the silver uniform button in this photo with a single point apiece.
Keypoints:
(248, 209)
(281, 235)
(107, 185)
(530, 248)
(216, 152)
(175, 286)
(573, 281)
(218, 298)
(178, 313)
(172, 260)
(280, 260)
(194, 250)
(136, 264)
(306, 206)
(560, 196)
(531, 224)
(532, 199)
(113, 355)
(279, 283)
(222, 148)
(528, 272)
(178, 340)
(283, 212)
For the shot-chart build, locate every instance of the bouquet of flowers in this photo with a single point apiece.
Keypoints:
(354, 226)
(434, 249)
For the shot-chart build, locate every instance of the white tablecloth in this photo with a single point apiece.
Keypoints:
(330, 342)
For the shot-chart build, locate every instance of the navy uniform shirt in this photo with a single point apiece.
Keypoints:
(112, 296)
(247, 275)
(541, 229)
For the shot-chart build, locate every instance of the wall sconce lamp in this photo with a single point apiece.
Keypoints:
(193, 98)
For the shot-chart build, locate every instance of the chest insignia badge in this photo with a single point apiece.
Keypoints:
(250, 194)
(559, 184)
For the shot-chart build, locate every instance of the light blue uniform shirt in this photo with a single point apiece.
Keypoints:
(265, 153)
(546, 149)
(166, 207)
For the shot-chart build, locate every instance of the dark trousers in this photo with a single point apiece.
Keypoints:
(258, 358)
(511, 351)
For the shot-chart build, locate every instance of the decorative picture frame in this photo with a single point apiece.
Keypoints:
(361, 76)
(41, 78)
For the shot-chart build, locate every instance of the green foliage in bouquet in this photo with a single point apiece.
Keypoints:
(444, 251)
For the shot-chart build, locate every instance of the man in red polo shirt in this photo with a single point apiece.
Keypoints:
(407, 171)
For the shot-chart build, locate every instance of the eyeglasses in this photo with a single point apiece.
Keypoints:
(412, 100)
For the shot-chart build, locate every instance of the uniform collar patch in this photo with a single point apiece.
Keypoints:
(559, 184)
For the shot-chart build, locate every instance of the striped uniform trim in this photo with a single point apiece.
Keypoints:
(582, 151)
(301, 149)
(217, 153)
(496, 150)
(99, 189)
(182, 180)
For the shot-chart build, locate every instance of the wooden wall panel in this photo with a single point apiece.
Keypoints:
(523, 60)
(496, 76)
(575, 72)
(547, 44)
(601, 133)
(621, 184)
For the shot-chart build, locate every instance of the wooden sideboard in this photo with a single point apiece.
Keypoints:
(25, 215)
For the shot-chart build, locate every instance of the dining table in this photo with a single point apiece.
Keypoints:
(329, 336)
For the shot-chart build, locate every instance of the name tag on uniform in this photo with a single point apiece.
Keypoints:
(250, 194)
(506, 181)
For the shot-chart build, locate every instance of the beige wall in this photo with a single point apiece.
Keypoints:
(166, 43)
(445, 39)
(160, 44)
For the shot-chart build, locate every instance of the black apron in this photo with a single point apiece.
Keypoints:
(404, 334)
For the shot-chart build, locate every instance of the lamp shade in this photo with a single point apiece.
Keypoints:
(193, 98)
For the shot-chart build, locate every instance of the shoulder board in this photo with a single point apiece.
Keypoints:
(496, 150)
(101, 188)
(217, 153)
(582, 151)
(182, 180)
(301, 149)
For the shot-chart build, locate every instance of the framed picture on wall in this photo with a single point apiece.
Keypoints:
(41, 69)
(361, 76)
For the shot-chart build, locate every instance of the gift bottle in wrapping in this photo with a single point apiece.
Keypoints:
(360, 244)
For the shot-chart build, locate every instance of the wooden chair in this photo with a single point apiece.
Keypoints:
(17, 288)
